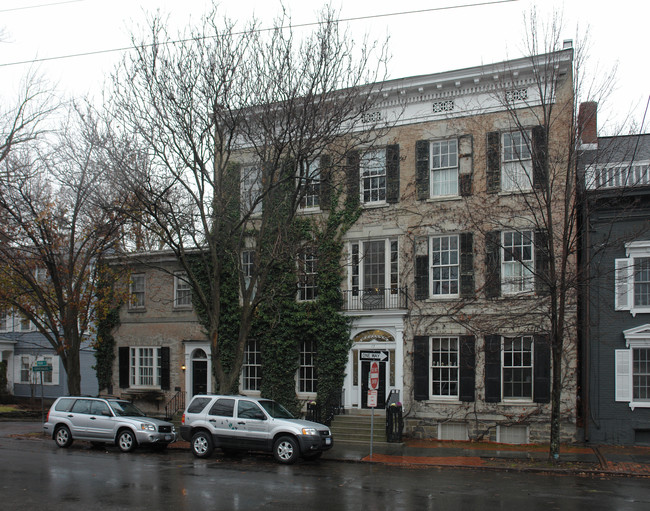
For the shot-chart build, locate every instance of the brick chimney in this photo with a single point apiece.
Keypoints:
(588, 123)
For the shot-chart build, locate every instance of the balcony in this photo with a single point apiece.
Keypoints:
(375, 299)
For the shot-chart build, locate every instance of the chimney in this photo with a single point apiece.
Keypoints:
(587, 124)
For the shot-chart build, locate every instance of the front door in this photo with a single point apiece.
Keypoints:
(381, 391)
(199, 377)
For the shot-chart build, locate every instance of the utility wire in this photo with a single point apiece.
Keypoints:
(300, 25)
(40, 5)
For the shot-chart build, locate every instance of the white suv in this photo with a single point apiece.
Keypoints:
(247, 423)
(101, 421)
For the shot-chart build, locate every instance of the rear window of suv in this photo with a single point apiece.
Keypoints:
(223, 408)
(64, 404)
(198, 404)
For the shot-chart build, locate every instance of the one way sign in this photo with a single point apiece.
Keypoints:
(380, 356)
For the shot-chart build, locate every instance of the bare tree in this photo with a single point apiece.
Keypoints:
(56, 225)
(233, 124)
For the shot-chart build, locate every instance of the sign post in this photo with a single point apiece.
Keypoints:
(41, 367)
(373, 385)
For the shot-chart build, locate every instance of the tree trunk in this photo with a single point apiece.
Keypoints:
(73, 370)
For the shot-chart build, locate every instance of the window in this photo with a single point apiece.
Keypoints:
(444, 367)
(182, 291)
(517, 262)
(26, 374)
(444, 168)
(632, 279)
(516, 171)
(373, 176)
(248, 268)
(444, 265)
(517, 368)
(374, 274)
(5, 321)
(145, 367)
(252, 367)
(25, 368)
(137, 291)
(251, 190)
(223, 408)
(26, 325)
(311, 192)
(307, 379)
(47, 375)
(307, 275)
(632, 366)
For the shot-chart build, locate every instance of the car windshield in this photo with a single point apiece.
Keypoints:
(126, 409)
(276, 410)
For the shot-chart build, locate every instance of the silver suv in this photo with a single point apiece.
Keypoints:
(247, 423)
(105, 421)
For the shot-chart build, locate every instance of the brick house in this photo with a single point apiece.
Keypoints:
(443, 266)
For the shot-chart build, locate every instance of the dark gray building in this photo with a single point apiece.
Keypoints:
(615, 258)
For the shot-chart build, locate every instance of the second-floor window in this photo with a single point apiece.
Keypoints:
(444, 265)
(373, 176)
(632, 278)
(137, 291)
(517, 262)
(145, 367)
(307, 380)
(516, 169)
(311, 187)
(444, 167)
(251, 190)
(307, 275)
(182, 291)
(252, 367)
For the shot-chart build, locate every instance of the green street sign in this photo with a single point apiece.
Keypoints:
(41, 362)
(41, 368)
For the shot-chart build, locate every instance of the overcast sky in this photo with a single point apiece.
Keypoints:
(420, 43)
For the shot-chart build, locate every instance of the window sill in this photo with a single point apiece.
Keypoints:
(374, 205)
(309, 211)
(181, 308)
(138, 310)
(442, 298)
(442, 400)
(639, 404)
(517, 401)
(444, 198)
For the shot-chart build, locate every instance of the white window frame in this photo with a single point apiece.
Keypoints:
(624, 278)
(137, 367)
(449, 262)
(356, 275)
(6, 321)
(307, 275)
(444, 365)
(444, 165)
(618, 175)
(251, 377)
(251, 190)
(307, 378)
(310, 186)
(516, 161)
(182, 291)
(25, 325)
(517, 274)
(521, 366)
(26, 361)
(373, 177)
(637, 338)
(134, 291)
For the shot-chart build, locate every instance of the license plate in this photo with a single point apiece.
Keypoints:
(168, 437)
(328, 441)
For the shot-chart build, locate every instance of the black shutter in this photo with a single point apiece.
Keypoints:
(164, 368)
(123, 361)
(422, 169)
(492, 368)
(466, 264)
(465, 184)
(493, 264)
(465, 164)
(542, 276)
(421, 368)
(493, 161)
(542, 370)
(392, 173)
(540, 157)
(467, 368)
(422, 276)
(353, 176)
(325, 192)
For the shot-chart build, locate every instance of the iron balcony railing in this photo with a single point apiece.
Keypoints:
(375, 299)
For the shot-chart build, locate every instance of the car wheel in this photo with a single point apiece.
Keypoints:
(285, 450)
(126, 440)
(202, 444)
(312, 455)
(62, 436)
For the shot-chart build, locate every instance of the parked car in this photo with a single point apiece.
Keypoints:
(105, 421)
(246, 423)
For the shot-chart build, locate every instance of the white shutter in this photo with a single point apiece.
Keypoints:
(623, 284)
(623, 361)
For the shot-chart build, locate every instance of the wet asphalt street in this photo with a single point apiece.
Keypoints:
(35, 474)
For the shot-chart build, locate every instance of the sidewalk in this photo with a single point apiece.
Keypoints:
(601, 459)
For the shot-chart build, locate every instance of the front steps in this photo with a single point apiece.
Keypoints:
(354, 426)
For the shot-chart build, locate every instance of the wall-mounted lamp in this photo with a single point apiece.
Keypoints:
(183, 367)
